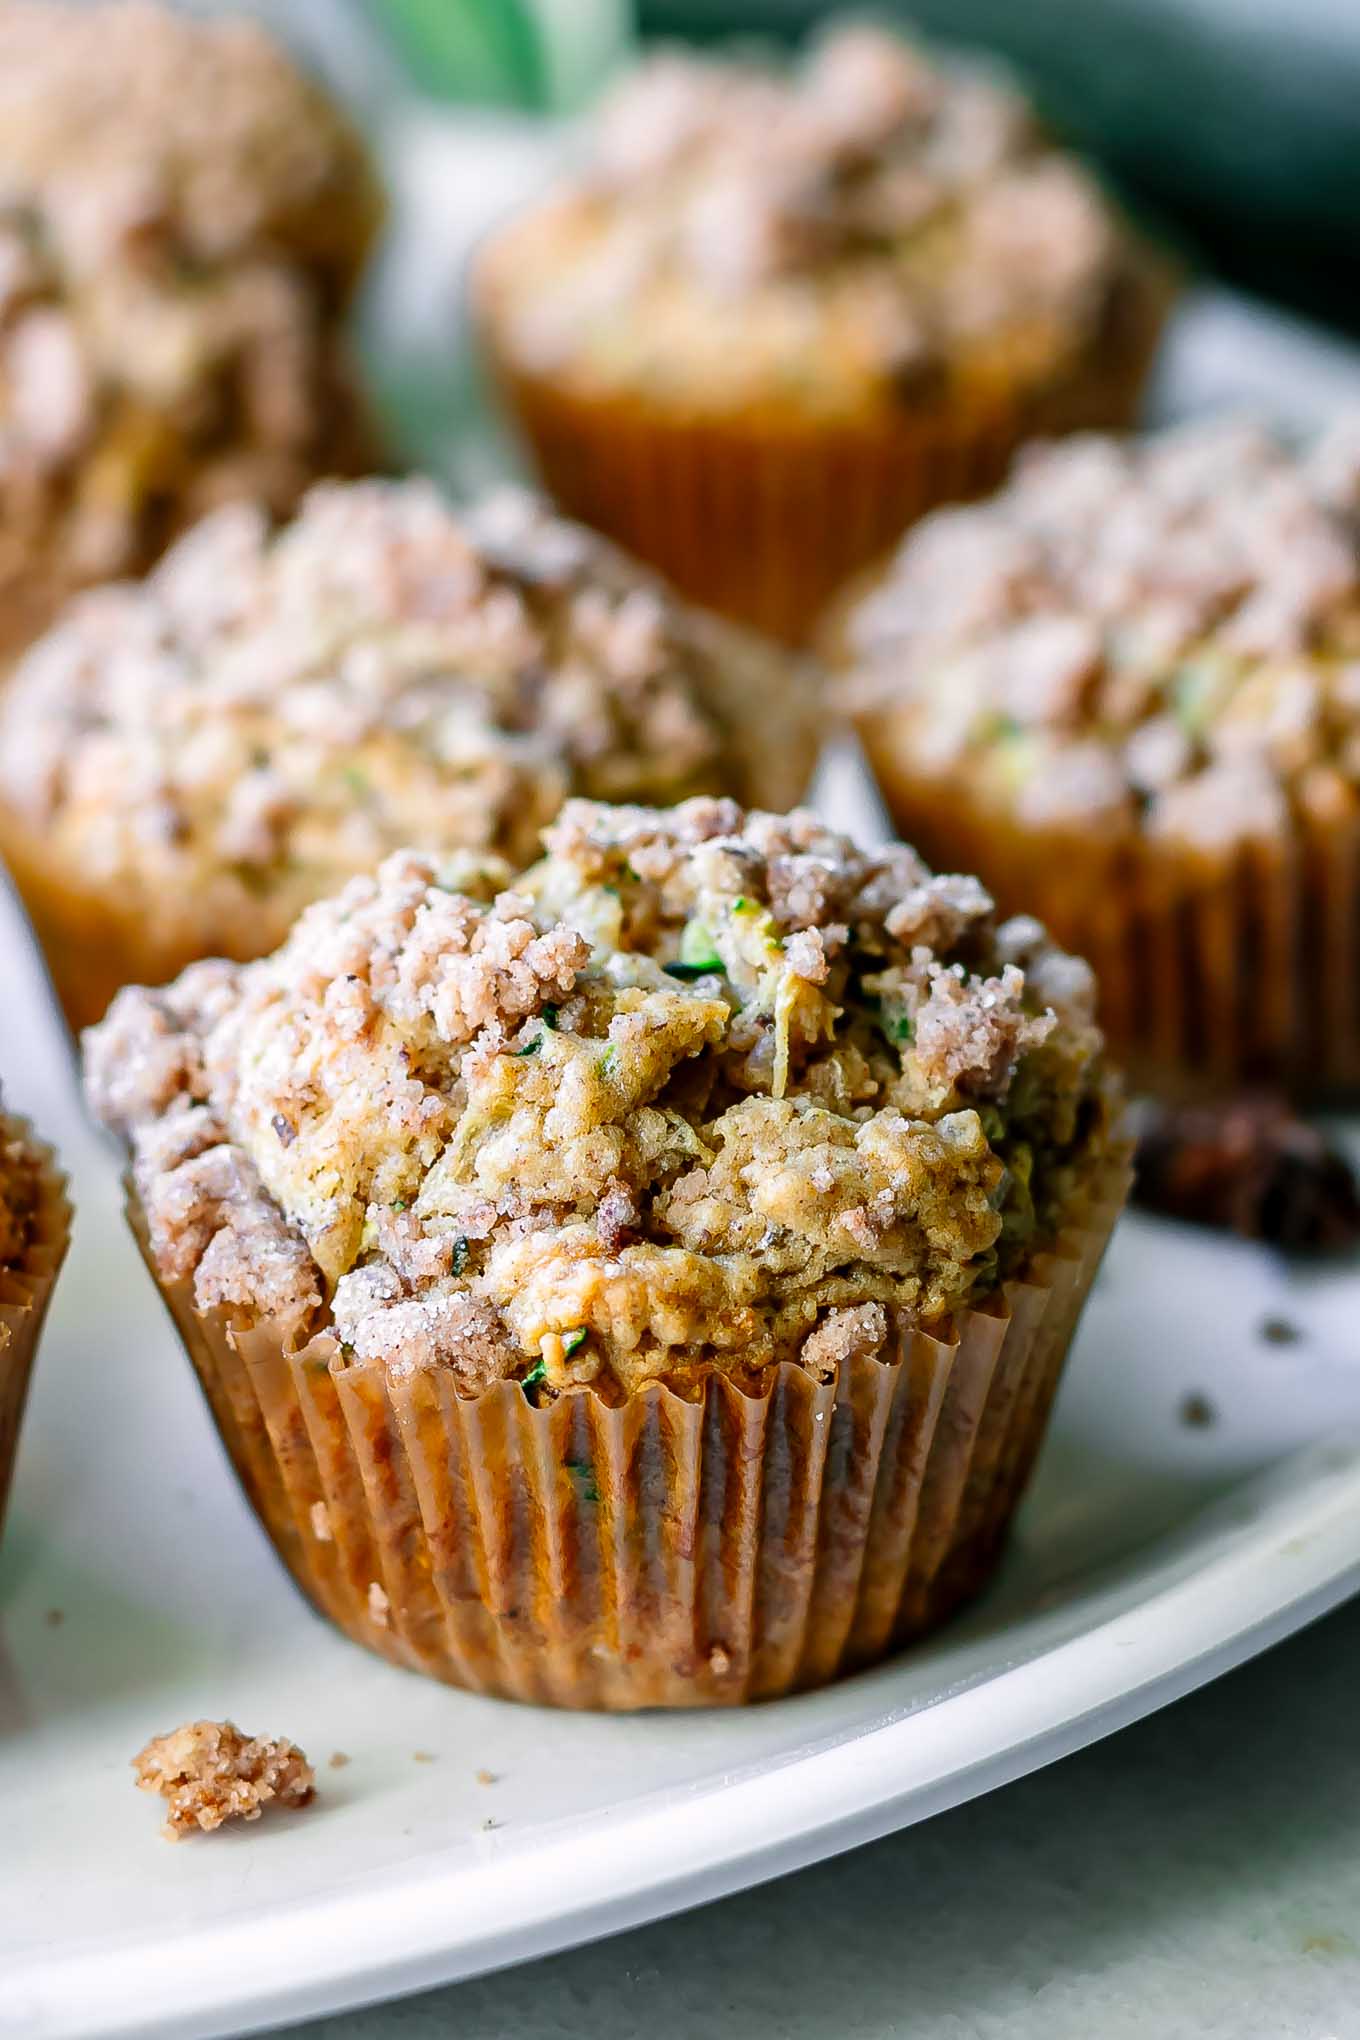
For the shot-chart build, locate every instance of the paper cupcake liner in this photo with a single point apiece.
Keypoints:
(1216, 971)
(25, 1292)
(665, 1551)
(763, 518)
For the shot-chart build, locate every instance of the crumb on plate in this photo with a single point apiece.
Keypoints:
(208, 1772)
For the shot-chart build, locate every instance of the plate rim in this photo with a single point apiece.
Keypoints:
(1296, 1558)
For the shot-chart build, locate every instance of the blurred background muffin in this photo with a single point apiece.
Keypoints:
(713, 1202)
(35, 1224)
(779, 314)
(1126, 691)
(188, 761)
(183, 219)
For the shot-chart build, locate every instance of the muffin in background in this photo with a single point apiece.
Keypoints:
(1126, 691)
(183, 220)
(187, 762)
(779, 315)
(35, 1226)
(642, 1285)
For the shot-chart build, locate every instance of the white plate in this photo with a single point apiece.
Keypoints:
(1151, 1555)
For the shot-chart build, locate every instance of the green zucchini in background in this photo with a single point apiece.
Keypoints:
(1239, 120)
(469, 49)
(528, 53)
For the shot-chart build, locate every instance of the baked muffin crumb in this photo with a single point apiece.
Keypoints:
(700, 1089)
(207, 1772)
(863, 226)
(1159, 634)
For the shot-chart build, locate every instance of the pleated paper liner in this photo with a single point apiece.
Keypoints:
(1217, 970)
(664, 1552)
(25, 1292)
(763, 517)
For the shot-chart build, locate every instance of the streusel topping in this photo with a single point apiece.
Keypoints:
(270, 712)
(18, 1192)
(699, 1089)
(856, 227)
(182, 217)
(1162, 633)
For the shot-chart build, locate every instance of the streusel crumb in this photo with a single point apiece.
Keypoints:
(273, 710)
(183, 216)
(700, 1089)
(853, 229)
(207, 1772)
(1159, 634)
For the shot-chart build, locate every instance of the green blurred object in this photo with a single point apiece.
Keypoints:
(538, 54)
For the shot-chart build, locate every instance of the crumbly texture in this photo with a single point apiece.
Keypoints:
(700, 1090)
(208, 1772)
(273, 711)
(1158, 634)
(862, 231)
(19, 1198)
(182, 219)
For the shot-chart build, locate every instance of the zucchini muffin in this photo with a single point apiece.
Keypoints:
(778, 315)
(641, 1280)
(186, 763)
(35, 1224)
(183, 218)
(1127, 692)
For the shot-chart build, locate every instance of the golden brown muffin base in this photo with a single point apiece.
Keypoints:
(1216, 970)
(95, 942)
(664, 1552)
(764, 517)
(25, 1293)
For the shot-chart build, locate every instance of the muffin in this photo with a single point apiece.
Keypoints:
(1126, 691)
(183, 218)
(641, 1281)
(35, 1223)
(186, 763)
(777, 316)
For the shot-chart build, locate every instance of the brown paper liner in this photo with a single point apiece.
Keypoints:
(1216, 970)
(764, 517)
(667, 1551)
(25, 1292)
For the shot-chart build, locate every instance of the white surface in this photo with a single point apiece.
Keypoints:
(1151, 1555)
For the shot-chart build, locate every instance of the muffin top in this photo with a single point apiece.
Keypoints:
(846, 234)
(130, 130)
(180, 213)
(699, 1090)
(1159, 633)
(272, 711)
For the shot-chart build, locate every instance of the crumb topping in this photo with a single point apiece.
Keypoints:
(208, 1772)
(694, 1087)
(874, 219)
(272, 711)
(1162, 633)
(19, 1196)
(182, 218)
